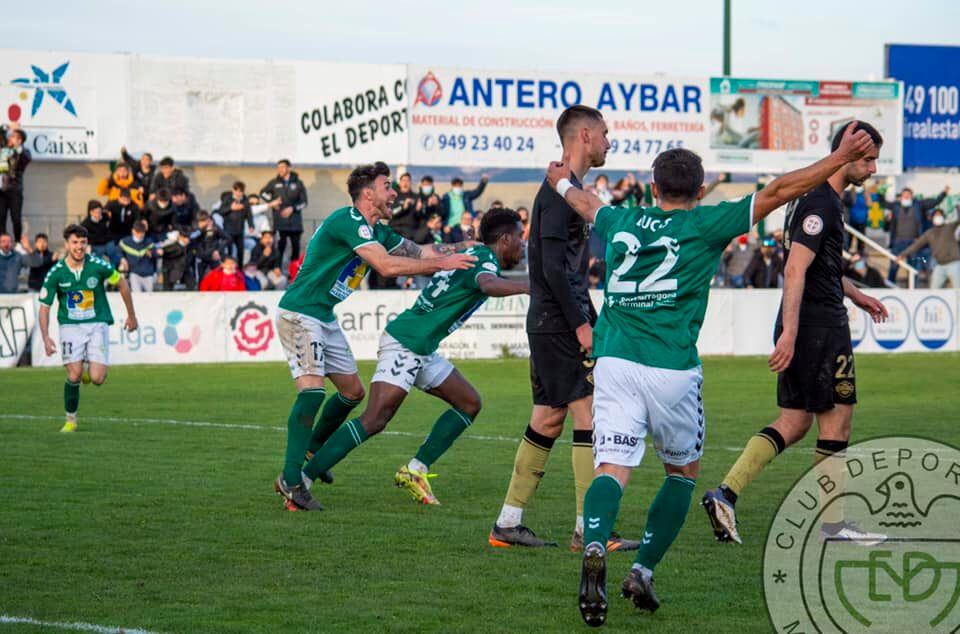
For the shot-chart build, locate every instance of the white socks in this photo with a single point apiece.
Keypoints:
(510, 516)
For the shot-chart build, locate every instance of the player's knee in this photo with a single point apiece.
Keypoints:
(376, 423)
(471, 405)
(98, 379)
(354, 393)
(73, 375)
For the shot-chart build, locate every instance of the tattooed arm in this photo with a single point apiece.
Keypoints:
(408, 249)
(408, 259)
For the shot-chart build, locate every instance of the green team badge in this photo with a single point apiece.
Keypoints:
(904, 489)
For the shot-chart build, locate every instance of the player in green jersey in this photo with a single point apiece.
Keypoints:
(77, 281)
(660, 261)
(350, 241)
(408, 356)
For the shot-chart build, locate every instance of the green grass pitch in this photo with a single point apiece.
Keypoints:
(149, 518)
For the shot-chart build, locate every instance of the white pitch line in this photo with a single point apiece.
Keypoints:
(77, 626)
(203, 423)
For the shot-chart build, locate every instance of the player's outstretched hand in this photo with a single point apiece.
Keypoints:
(49, 346)
(131, 323)
(876, 309)
(855, 145)
(782, 353)
(457, 261)
(556, 172)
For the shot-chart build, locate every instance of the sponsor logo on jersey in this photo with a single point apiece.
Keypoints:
(350, 278)
(490, 266)
(252, 328)
(92, 282)
(844, 389)
(364, 232)
(629, 441)
(812, 225)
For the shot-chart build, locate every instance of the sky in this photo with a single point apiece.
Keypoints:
(814, 39)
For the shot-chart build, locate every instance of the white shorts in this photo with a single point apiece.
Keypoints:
(399, 366)
(631, 400)
(85, 342)
(314, 347)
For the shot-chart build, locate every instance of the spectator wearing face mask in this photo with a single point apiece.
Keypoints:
(858, 200)
(463, 231)
(766, 268)
(142, 170)
(287, 196)
(160, 215)
(601, 189)
(407, 217)
(942, 239)
(265, 264)
(862, 273)
(212, 246)
(458, 200)
(907, 217)
(185, 207)
(139, 259)
(122, 213)
(736, 259)
(435, 233)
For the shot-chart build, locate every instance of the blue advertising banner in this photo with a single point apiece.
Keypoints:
(931, 123)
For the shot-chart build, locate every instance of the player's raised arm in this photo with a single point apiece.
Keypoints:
(584, 203)
(494, 286)
(407, 259)
(853, 147)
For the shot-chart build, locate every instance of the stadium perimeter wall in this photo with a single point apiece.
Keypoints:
(239, 327)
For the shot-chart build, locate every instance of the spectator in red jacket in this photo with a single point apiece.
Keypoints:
(226, 277)
(295, 268)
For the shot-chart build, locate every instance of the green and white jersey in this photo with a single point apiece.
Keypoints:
(331, 269)
(659, 268)
(444, 305)
(83, 299)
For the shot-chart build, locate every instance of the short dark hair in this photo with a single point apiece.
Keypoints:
(74, 230)
(905, 190)
(858, 125)
(147, 155)
(166, 161)
(678, 174)
(497, 222)
(426, 179)
(229, 258)
(20, 133)
(140, 225)
(94, 204)
(404, 175)
(178, 191)
(163, 195)
(362, 177)
(41, 235)
(456, 181)
(240, 185)
(284, 161)
(573, 116)
(203, 215)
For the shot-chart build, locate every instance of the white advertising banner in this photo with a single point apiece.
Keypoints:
(240, 327)
(16, 324)
(482, 118)
(350, 113)
(508, 119)
(73, 106)
(174, 328)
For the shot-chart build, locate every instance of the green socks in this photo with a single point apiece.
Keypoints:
(447, 429)
(664, 520)
(299, 428)
(334, 413)
(345, 439)
(71, 398)
(600, 507)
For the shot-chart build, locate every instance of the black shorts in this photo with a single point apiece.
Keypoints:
(560, 370)
(821, 374)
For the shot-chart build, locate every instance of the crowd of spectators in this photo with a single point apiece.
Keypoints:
(150, 225)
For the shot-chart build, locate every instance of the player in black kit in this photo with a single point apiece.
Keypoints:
(560, 331)
(813, 354)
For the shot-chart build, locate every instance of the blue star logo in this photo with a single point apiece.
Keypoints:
(44, 83)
